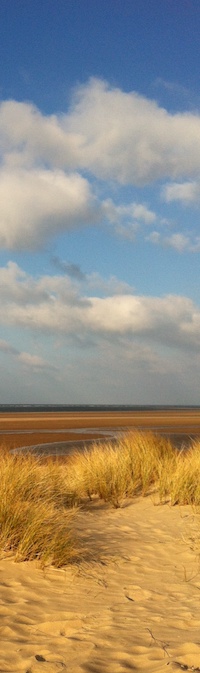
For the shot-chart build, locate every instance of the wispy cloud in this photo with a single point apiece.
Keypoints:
(171, 85)
(34, 361)
(184, 192)
(132, 211)
(72, 270)
(7, 348)
(127, 219)
(179, 242)
(176, 92)
(29, 360)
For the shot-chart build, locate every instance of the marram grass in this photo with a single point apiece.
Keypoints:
(132, 467)
(36, 511)
(39, 500)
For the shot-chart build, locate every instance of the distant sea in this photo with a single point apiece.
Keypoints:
(6, 408)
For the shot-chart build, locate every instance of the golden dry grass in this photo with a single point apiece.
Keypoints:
(114, 472)
(36, 510)
(39, 498)
(184, 482)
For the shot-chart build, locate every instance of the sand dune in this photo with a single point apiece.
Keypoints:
(132, 605)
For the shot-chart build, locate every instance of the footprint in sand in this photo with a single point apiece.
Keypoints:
(133, 592)
(42, 665)
(66, 627)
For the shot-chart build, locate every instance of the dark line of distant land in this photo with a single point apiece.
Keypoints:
(6, 408)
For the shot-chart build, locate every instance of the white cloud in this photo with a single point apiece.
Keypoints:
(109, 286)
(123, 346)
(113, 134)
(185, 192)
(154, 237)
(18, 288)
(38, 204)
(127, 218)
(133, 211)
(127, 231)
(30, 139)
(129, 138)
(53, 305)
(178, 241)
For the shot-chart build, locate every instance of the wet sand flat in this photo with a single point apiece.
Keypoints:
(26, 429)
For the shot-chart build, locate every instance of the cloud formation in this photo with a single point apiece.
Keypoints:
(106, 134)
(30, 139)
(54, 304)
(115, 135)
(129, 138)
(150, 344)
(86, 166)
(132, 211)
(179, 242)
(126, 219)
(36, 204)
(184, 192)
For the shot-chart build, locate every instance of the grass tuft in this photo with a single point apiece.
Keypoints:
(36, 513)
(130, 467)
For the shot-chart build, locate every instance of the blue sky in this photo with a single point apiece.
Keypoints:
(100, 201)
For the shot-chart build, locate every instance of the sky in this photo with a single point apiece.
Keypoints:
(99, 202)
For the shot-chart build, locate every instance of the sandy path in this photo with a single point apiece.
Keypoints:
(134, 607)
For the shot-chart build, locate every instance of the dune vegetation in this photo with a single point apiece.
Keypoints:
(40, 499)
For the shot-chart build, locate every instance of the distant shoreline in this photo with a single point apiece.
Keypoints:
(24, 408)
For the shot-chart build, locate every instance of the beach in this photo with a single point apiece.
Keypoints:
(33, 428)
(131, 605)
(131, 600)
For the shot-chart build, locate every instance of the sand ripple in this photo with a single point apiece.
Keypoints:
(132, 605)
